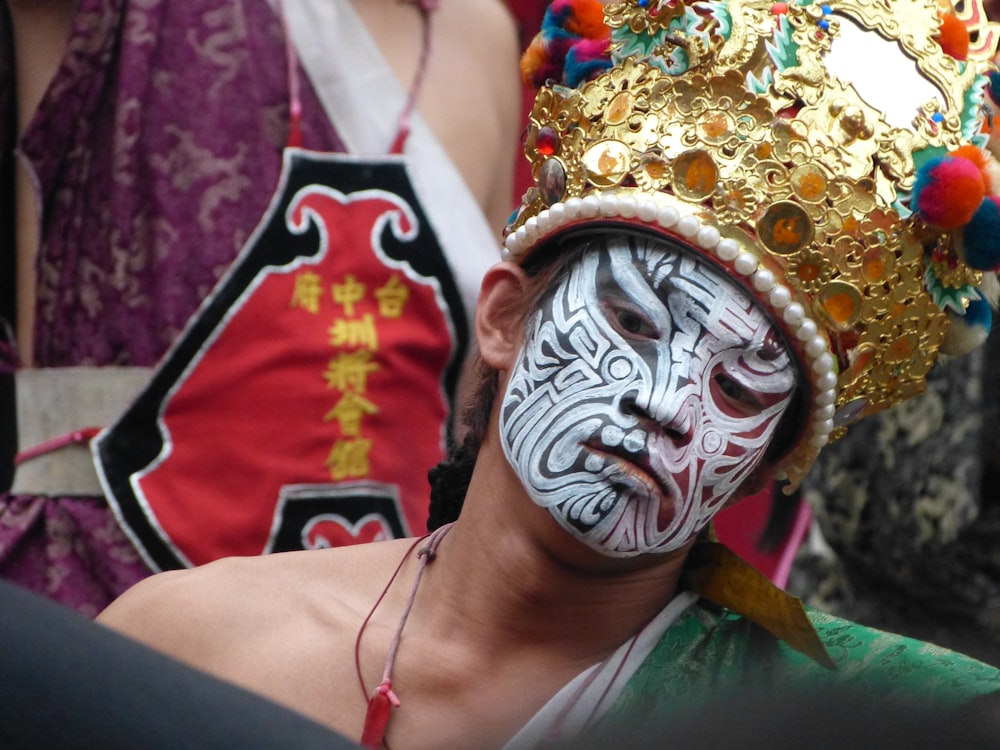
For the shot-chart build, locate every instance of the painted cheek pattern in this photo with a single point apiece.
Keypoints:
(731, 431)
(719, 455)
(563, 404)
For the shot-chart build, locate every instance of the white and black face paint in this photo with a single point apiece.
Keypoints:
(647, 390)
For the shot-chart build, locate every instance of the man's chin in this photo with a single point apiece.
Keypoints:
(611, 542)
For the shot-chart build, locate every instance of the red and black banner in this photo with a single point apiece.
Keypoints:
(305, 402)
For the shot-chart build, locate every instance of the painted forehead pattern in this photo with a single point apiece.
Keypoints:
(690, 287)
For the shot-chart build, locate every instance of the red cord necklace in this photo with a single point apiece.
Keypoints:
(383, 699)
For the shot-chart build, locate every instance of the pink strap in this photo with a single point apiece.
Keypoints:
(803, 518)
(426, 7)
(426, 555)
(78, 437)
(403, 131)
(294, 98)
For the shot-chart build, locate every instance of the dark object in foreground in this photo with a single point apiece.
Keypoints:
(68, 683)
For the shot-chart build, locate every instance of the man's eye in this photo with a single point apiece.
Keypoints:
(631, 323)
(736, 394)
(731, 388)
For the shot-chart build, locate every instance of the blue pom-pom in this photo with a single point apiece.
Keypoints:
(980, 314)
(993, 88)
(581, 66)
(924, 175)
(553, 26)
(968, 332)
(979, 244)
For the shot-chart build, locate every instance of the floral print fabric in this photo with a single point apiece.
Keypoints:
(909, 511)
(711, 652)
(157, 148)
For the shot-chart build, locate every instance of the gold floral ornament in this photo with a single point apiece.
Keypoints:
(755, 133)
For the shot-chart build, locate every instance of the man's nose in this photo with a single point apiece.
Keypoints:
(666, 415)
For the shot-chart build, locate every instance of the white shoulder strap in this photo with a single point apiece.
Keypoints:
(363, 99)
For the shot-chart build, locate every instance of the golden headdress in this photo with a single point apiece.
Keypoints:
(829, 156)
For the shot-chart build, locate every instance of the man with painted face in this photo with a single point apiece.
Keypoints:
(709, 282)
(646, 393)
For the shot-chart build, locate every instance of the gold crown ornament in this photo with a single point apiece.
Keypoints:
(829, 156)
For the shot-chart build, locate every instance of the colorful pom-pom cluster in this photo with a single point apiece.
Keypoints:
(572, 46)
(955, 192)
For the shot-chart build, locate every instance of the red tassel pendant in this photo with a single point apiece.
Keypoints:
(377, 716)
(383, 700)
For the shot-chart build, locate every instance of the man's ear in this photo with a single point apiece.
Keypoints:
(499, 315)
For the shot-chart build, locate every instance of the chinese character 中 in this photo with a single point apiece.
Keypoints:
(349, 293)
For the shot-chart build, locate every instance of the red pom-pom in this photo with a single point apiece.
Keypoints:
(587, 19)
(953, 36)
(948, 191)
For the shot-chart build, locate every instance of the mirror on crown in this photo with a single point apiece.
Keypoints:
(882, 73)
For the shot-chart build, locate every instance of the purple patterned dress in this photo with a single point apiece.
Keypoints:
(156, 150)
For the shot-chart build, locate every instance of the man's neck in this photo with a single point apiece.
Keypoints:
(509, 577)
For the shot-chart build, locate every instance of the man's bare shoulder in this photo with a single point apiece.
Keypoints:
(191, 614)
(484, 20)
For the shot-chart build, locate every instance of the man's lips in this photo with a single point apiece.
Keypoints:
(637, 464)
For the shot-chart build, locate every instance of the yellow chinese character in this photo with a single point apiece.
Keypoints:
(392, 297)
(350, 371)
(348, 293)
(348, 413)
(307, 291)
(349, 458)
(354, 333)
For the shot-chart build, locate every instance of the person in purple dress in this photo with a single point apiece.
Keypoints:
(149, 140)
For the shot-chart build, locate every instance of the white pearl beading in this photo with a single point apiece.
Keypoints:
(820, 361)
